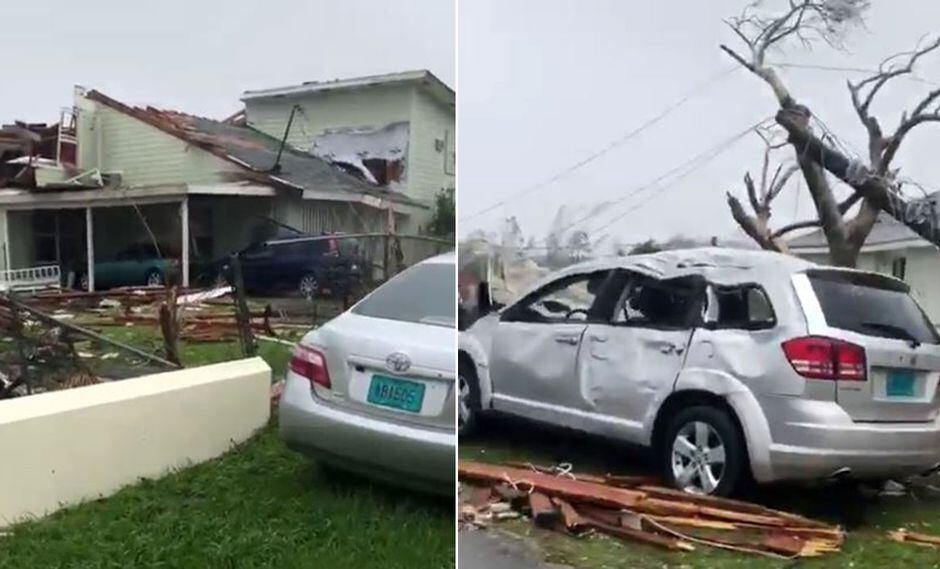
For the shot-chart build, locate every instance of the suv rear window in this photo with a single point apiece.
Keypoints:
(425, 293)
(873, 305)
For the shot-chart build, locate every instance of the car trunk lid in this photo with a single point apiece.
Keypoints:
(902, 348)
(402, 371)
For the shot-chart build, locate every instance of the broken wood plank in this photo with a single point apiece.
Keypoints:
(671, 543)
(905, 536)
(479, 496)
(574, 490)
(605, 515)
(696, 522)
(629, 481)
(573, 521)
(793, 520)
(544, 514)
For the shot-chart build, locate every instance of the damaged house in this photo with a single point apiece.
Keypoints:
(110, 177)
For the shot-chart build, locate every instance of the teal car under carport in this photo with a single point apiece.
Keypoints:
(140, 264)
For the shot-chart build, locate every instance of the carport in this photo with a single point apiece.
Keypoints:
(75, 229)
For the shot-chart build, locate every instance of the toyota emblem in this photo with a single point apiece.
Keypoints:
(398, 362)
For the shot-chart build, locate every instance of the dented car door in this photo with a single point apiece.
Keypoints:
(535, 347)
(638, 352)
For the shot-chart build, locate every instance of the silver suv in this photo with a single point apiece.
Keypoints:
(725, 362)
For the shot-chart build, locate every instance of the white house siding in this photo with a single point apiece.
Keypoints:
(431, 169)
(143, 154)
(368, 107)
(372, 107)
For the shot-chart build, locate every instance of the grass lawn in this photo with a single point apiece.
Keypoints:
(260, 505)
(866, 518)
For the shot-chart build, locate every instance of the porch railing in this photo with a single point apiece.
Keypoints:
(31, 279)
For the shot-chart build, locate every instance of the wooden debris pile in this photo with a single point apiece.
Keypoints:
(635, 509)
(905, 536)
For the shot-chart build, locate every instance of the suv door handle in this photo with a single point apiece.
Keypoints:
(667, 348)
(571, 340)
(598, 338)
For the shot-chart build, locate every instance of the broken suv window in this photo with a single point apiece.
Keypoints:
(567, 300)
(871, 304)
(646, 302)
(743, 307)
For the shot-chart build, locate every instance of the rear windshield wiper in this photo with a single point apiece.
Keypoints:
(896, 331)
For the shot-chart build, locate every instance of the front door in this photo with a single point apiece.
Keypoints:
(636, 355)
(533, 362)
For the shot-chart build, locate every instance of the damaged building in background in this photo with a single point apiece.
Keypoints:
(110, 177)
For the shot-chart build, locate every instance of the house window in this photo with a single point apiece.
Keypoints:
(899, 267)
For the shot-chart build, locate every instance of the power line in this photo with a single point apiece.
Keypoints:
(693, 164)
(609, 147)
(909, 76)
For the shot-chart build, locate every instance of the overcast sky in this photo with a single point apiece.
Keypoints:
(542, 88)
(198, 56)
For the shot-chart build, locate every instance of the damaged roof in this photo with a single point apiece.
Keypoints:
(887, 233)
(255, 152)
(421, 77)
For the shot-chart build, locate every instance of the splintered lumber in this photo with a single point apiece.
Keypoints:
(573, 521)
(605, 515)
(650, 538)
(729, 504)
(904, 536)
(544, 513)
(628, 481)
(654, 515)
(480, 496)
(575, 490)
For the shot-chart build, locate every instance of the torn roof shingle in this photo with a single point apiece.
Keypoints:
(255, 152)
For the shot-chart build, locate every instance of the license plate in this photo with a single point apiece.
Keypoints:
(396, 393)
(900, 383)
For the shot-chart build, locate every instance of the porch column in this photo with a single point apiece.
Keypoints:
(184, 250)
(6, 240)
(90, 248)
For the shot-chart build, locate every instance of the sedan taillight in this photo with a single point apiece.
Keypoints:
(816, 357)
(310, 362)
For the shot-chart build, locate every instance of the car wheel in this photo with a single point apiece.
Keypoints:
(309, 285)
(154, 278)
(703, 452)
(468, 399)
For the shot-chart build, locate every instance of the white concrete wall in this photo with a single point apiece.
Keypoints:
(65, 447)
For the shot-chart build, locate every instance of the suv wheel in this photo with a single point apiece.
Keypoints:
(468, 403)
(703, 452)
(309, 285)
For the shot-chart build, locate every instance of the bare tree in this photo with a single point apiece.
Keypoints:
(874, 183)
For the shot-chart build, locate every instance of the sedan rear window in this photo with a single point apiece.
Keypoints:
(871, 304)
(425, 294)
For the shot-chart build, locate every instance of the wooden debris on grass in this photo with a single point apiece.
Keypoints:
(905, 536)
(634, 508)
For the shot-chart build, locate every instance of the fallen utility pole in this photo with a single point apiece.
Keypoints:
(43, 317)
(921, 216)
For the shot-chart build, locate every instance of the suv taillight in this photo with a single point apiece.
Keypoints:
(816, 357)
(310, 362)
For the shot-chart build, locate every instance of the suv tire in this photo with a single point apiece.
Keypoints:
(702, 451)
(308, 286)
(468, 404)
